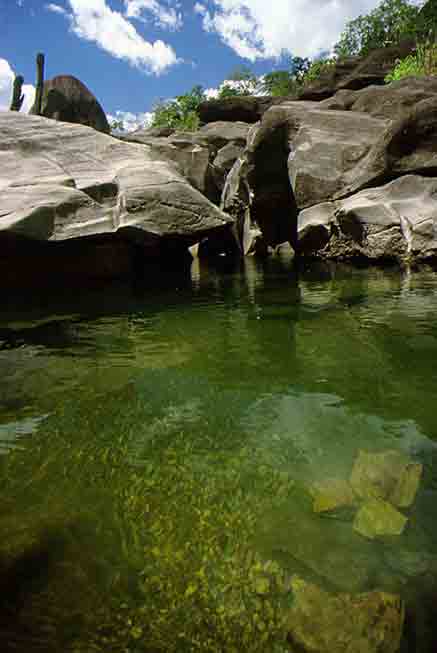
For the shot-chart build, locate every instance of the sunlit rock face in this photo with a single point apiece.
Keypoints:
(62, 182)
(397, 221)
(305, 154)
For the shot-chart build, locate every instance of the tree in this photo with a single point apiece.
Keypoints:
(181, 113)
(388, 23)
(279, 82)
(226, 90)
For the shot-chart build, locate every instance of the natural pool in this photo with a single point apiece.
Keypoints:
(159, 448)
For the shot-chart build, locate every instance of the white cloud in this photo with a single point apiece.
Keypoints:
(163, 15)
(7, 77)
(55, 8)
(94, 21)
(257, 29)
(131, 121)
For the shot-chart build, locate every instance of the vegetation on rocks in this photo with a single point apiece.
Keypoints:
(422, 63)
(180, 113)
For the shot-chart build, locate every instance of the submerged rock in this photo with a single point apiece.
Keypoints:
(388, 475)
(320, 622)
(332, 495)
(377, 517)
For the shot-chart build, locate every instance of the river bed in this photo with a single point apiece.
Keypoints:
(159, 450)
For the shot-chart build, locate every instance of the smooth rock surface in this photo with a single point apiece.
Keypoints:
(331, 495)
(204, 157)
(319, 622)
(62, 181)
(377, 517)
(396, 221)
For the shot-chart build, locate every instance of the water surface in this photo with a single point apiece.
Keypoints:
(159, 449)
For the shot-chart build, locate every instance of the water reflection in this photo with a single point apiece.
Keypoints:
(176, 434)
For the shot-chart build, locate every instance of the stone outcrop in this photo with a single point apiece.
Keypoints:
(67, 99)
(68, 183)
(320, 622)
(204, 157)
(310, 154)
(354, 73)
(244, 108)
(397, 221)
(387, 102)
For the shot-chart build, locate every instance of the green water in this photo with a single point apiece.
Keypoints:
(159, 448)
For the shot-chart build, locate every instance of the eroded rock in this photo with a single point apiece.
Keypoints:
(396, 221)
(320, 622)
(331, 495)
(376, 518)
(62, 182)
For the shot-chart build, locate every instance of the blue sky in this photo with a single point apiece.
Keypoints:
(131, 53)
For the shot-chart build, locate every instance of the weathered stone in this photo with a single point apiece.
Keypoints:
(204, 157)
(331, 495)
(319, 622)
(190, 156)
(357, 72)
(221, 133)
(303, 154)
(67, 99)
(375, 474)
(377, 517)
(390, 101)
(396, 221)
(406, 488)
(60, 182)
(247, 108)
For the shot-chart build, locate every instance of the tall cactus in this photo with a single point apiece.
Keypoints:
(17, 96)
(39, 83)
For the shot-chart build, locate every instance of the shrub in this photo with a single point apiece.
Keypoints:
(180, 113)
(423, 62)
(316, 69)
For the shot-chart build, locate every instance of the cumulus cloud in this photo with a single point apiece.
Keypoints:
(7, 77)
(256, 29)
(130, 121)
(95, 21)
(163, 15)
(57, 9)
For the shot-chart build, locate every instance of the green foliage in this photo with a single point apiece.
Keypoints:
(427, 21)
(422, 63)
(227, 91)
(279, 82)
(299, 67)
(180, 113)
(388, 23)
(316, 69)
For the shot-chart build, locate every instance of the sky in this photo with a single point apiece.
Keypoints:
(133, 53)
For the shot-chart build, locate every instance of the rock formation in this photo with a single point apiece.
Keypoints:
(67, 186)
(310, 154)
(67, 99)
